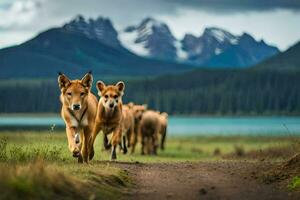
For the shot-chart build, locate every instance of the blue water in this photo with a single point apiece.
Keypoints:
(189, 125)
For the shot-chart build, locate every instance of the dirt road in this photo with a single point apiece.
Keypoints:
(203, 180)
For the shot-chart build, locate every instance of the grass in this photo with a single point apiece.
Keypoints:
(295, 183)
(38, 165)
(52, 147)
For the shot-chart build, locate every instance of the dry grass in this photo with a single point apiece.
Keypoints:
(39, 180)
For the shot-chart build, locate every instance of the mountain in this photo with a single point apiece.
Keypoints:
(246, 52)
(74, 51)
(213, 42)
(100, 29)
(214, 48)
(150, 38)
(148, 48)
(287, 60)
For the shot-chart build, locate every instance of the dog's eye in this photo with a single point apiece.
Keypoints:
(82, 93)
(106, 96)
(69, 94)
(116, 96)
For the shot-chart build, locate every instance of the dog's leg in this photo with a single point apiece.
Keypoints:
(113, 153)
(106, 143)
(163, 138)
(154, 144)
(115, 140)
(124, 144)
(128, 137)
(143, 145)
(91, 151)
(85, 144)
(155, 140)
(72, 145)
(96, 129)
(133, 141)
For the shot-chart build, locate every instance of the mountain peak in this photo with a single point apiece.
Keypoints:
(78, 18)
(151, 22)
(220, 35)
(246, 38)
(150, 38)
(100, 29)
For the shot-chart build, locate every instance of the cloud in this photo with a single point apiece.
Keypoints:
(238, 5)
(23, 19)
(18, 13)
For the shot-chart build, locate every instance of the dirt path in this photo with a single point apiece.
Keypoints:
(204, 180)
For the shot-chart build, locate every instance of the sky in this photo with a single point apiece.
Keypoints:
(274, 21)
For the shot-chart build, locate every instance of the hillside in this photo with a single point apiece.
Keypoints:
(287, 60)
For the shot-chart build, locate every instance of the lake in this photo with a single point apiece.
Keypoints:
(181, 125)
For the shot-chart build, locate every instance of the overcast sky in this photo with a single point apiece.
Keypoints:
(275, 21)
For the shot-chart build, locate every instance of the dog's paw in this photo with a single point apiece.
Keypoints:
(76, 152)
(80, 158)
(113, 156)
(107, 146)
(91, 154)
(125, 150)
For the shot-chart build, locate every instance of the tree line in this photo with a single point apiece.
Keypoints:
(200, 92)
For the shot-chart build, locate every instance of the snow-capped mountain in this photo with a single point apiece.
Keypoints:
(152, 38)
(213, 42)
(245, 52)
(100, 29)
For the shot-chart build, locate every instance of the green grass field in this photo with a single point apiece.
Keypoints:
(39, 165)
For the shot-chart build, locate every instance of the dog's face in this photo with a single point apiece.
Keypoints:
(111, 95)
(138, 111)
(75, 92)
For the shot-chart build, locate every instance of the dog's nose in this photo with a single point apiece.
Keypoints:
(111, 105)
(76, 106)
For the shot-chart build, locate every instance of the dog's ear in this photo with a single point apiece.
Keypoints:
(87, 80)
(63, 81)
(121, 86)
(100, 87)
(164, 114)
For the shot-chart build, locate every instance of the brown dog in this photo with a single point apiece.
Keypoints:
(149, 129)
(138, 111)
(109, 116)
(127, 125)
(78, 111)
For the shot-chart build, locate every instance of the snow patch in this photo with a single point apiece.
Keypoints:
(234, 40)
(223, 36)
(218, 51)
(219, 35)
(181, 54)
(127, 39)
